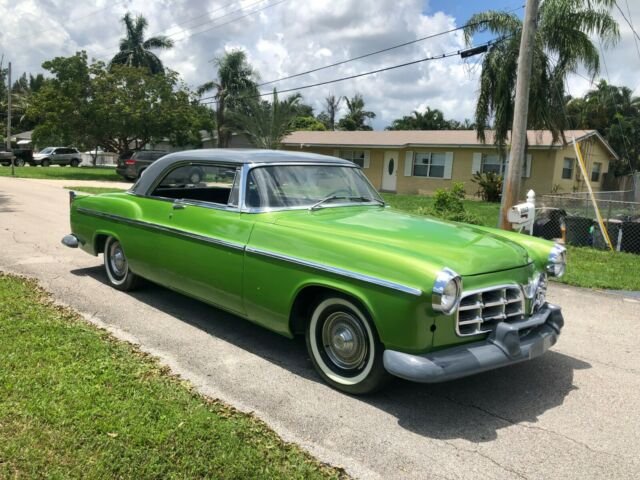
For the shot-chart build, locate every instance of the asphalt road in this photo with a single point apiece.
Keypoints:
(573, 413)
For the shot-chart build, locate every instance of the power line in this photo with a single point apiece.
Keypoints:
(627, 20)
(371, 72)
(635, 39)
(219, 25)
(393, 47)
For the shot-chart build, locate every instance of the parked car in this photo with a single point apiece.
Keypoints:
(6, 156)
(131, 164)
(23, 155)
(303, 244)
(57, 156)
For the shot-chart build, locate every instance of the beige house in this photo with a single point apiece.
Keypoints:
(421, 161)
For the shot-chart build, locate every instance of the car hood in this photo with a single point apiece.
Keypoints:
(39, 155)
(464, 248)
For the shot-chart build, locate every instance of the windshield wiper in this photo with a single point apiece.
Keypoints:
(345, 197)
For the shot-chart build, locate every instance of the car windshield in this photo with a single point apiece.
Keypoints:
(47, 150)
(308, 186)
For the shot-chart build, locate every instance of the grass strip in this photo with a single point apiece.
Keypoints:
(77, 403)
(64, 173)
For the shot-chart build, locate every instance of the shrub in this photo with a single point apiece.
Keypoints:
(489, 186)
(448, 205)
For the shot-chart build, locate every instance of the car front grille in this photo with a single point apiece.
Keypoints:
(481, 310)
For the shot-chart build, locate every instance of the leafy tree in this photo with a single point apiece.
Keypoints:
(328, 116)
(615, 113)
(356, 116)
(564, 40)
(235, 83)
(61, 107)
(308, 123)
(267, 123)
(119, 107)
(135, 50)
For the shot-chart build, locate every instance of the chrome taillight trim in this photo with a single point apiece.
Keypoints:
(508, 304)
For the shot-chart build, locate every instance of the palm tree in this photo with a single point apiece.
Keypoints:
(430, 119)
(234, 86)
(563, 42)
(267, 123)
(135, 51)
(356, 116)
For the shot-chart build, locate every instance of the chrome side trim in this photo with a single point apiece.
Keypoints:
(162, 228)
(258, 251)
(337, 271)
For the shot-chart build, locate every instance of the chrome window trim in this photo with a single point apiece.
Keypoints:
(487, 289)
(337, 271)
(193, 203)
(258, 251)
(247, 167)
(162, 228)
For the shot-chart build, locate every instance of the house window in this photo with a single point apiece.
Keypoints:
(494, 163)
(567, 168)
(429, 165)
(595, 171)
(355, 156)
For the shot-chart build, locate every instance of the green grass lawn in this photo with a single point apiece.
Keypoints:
(593, 268)
(64, 173)
(76, 403)
(487, 213)
(93, 190)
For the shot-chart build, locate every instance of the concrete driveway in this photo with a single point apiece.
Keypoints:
(573, 413)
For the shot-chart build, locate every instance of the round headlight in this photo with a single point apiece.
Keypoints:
(446, 291)
(557, 261)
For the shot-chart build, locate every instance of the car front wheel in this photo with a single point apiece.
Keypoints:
(19, 162)
(117, 266)
(344, 346)
(45, 163)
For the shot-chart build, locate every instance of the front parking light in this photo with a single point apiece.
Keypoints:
(557, 261)
(446, 291)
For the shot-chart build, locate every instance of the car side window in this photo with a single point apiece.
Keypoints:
(217, 184)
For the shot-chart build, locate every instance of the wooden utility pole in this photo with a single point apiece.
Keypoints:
(513, 174)
(13, 160)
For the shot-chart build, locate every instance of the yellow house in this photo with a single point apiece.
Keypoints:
(421, 161)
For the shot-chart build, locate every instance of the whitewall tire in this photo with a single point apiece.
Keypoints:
(117, 267)
(344, 346)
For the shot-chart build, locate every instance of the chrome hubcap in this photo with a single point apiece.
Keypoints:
(117, 260)
(344, 340)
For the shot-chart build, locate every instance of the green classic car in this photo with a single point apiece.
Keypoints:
(303, 244)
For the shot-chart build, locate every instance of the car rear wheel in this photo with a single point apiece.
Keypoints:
(117, 266)
(74, 162)
(344, 346)
(19, 162)
(45, 163)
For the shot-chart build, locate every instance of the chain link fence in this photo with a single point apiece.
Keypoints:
(571, 218)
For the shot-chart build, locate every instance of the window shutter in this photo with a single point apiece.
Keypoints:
(336, 153)
(477, 162)
(527, 169)
(367, 158)
(408, 163)
(448, 164)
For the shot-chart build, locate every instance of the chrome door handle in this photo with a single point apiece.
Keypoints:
(178, 206)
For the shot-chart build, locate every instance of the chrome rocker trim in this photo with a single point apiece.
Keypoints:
(508, 344)
(237, 246)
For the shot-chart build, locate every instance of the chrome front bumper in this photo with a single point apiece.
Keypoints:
(508, 344)
(70, 240)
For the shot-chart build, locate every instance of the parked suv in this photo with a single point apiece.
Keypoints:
(131, 164)
(57, 156)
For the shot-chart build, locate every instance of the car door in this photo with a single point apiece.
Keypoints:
(197, 245)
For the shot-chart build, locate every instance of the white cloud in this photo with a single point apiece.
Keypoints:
(282, 40)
